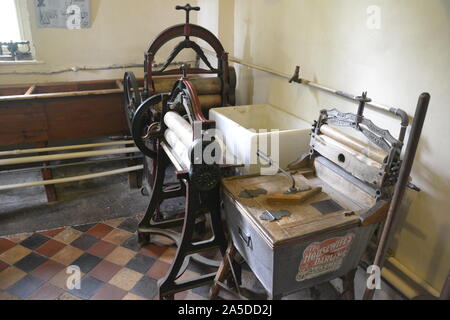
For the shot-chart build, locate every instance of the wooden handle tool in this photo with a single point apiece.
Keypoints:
(294, 199)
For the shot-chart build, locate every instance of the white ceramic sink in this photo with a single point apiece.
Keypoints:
(246, 129)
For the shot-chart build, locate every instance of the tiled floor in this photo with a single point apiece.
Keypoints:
(113, 266)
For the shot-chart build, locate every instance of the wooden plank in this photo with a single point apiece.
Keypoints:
(22, 123)
(293, 199)
(25, 122)
(32, 118)
(376, 214)
(96, 85)
(13, 90)
(85, 117)
(304, 221)
(72, 89)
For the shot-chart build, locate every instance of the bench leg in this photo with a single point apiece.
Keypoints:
(47, 174)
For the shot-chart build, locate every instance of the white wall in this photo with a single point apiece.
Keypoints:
(330, 40)
(120, 34)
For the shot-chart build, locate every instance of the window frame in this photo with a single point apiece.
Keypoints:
(23, 18)
(24, 22)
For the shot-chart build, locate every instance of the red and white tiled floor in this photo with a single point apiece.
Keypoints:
(113, 265)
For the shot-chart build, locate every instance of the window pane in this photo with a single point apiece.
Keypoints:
(9, 24)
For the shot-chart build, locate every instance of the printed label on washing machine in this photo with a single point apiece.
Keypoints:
(320, 258)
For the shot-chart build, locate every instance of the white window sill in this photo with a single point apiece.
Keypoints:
(22, 63)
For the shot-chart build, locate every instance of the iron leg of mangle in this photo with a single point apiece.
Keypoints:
(168, 286)
(153, 207)
(213, 201)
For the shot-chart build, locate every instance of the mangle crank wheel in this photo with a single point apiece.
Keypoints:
(132, 97)
(144, 128)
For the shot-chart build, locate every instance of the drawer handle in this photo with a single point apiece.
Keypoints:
(247, 239)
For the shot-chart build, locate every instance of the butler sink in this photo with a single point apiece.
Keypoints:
(247, 129)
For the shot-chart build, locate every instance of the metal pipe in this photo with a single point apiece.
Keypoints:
(296, 78)
(66, 156)
(397, 112)
(411, 149)
(71, 179)
(87, 68)
(405, 121)
(64, 148)
(267, 159)
(73, 164)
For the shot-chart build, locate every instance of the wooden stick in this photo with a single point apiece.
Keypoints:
(66, 156)
(73, 147)
(400, 187)
(71, 179)
(294, 199)
(119, 84)
(30, 90)
(223, 272)
(60, 95)
(75, 93)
